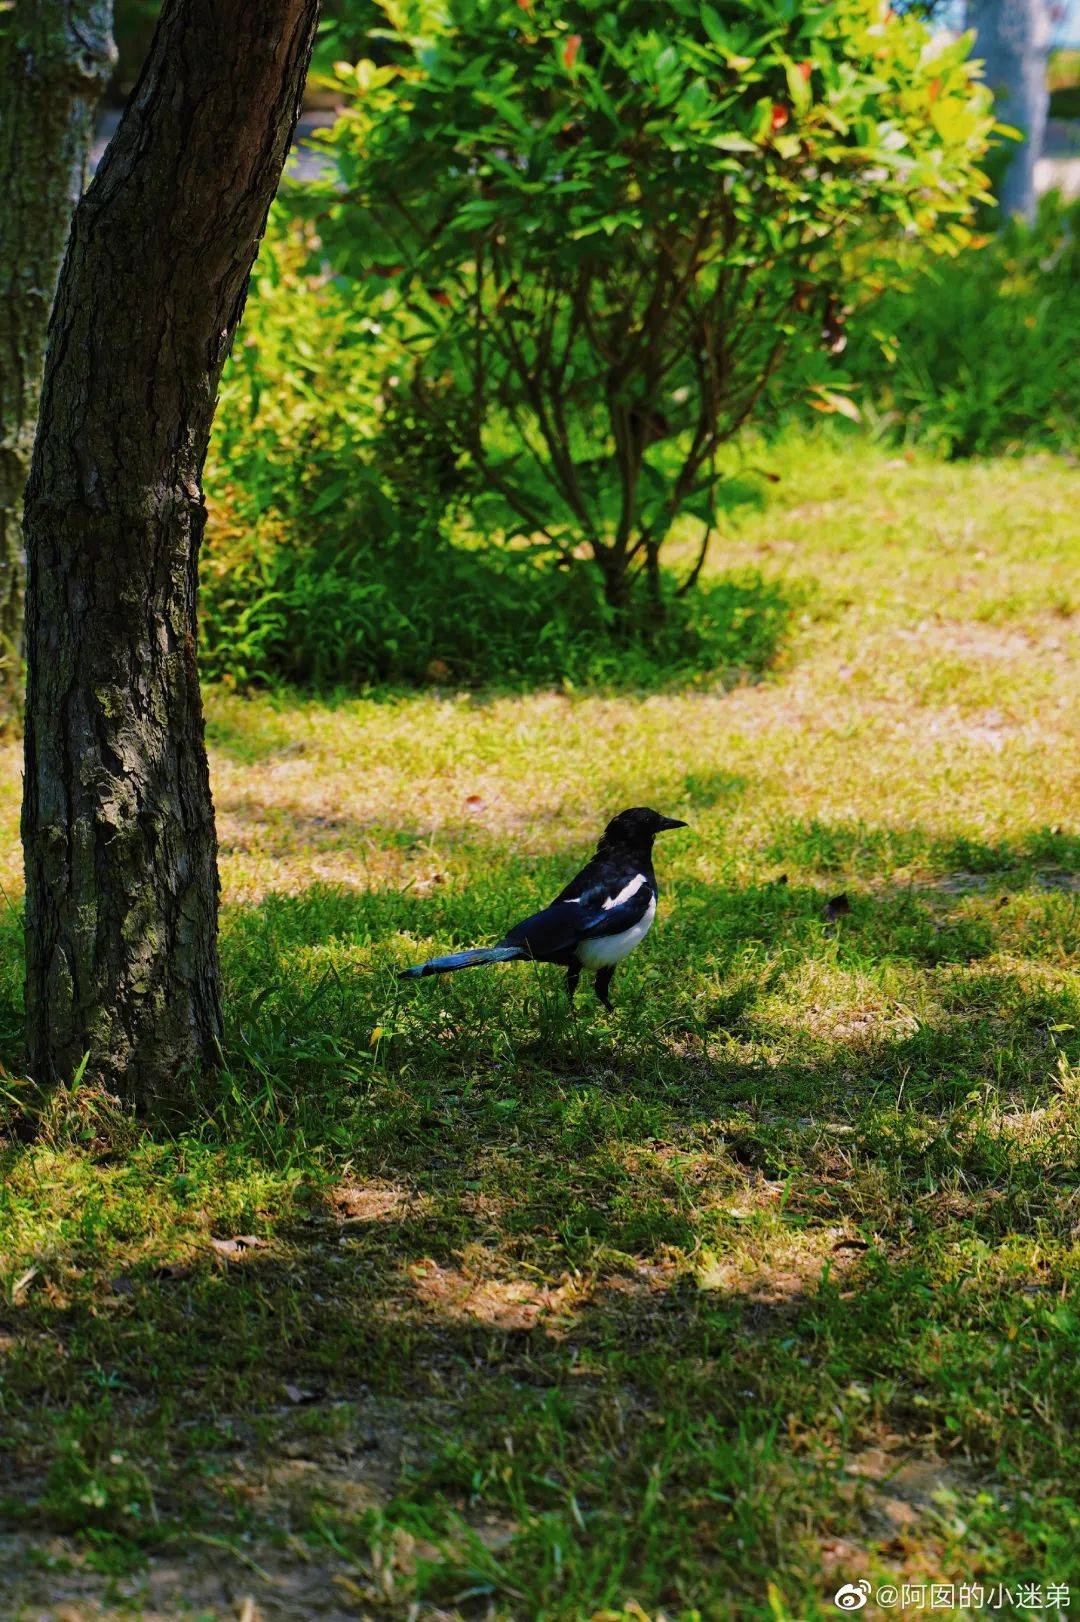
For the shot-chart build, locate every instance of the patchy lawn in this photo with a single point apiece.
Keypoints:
(442, 1304)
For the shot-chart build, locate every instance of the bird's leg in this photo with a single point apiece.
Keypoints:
(573, 975)
(602, 984)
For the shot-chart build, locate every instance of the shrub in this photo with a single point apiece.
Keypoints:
(324, 612)
(599, 230)
(335, 554)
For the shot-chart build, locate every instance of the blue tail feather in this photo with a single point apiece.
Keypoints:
(462, 960)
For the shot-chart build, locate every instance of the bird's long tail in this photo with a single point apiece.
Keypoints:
(462, 960)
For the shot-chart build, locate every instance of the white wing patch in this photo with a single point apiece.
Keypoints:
(626, 892)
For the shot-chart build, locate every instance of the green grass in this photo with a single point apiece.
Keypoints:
(764, 1283)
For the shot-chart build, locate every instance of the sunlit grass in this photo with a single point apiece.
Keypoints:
(763, 1283)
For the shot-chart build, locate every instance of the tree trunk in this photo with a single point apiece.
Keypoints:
(1013, 39)
(657, 606)
(55, 60)
(636, 601)
(615, 574)
(118, 822)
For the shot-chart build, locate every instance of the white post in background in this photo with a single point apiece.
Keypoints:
(1013, 39)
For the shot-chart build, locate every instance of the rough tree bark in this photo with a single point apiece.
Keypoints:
(55, 60)
(118, 822)
(1013, 39)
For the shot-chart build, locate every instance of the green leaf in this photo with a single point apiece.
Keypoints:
(714, 27)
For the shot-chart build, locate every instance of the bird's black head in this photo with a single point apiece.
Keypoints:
(636, 829)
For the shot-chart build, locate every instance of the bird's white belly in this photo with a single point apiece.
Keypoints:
(608, 949)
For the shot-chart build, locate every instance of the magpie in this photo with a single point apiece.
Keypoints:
(595, 922)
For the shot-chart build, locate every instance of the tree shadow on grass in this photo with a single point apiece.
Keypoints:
(487, 1323)
(400, 1381)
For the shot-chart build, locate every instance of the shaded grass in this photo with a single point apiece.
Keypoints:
(761, 1284)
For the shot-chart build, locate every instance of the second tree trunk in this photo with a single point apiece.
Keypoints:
(55, 59)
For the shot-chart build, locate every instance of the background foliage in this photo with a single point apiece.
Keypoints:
(981, 355)
(335, 556)
(352, 541)
(595, 235)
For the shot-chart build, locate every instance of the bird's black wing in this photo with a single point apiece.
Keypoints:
(552, 935)
(593, 876)
(549, 936)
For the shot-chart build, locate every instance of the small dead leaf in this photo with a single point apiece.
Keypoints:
(872, 1464)
(570, 50)
(302, 1394)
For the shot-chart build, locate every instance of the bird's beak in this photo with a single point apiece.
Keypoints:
(669, 822)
